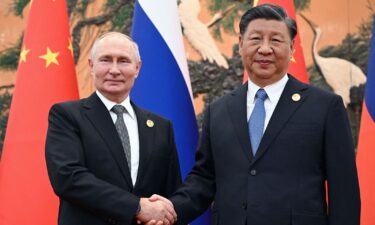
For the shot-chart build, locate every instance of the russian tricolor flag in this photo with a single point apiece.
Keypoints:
(366, 144)
(163, 85)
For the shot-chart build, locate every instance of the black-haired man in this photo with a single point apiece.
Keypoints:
(268, 148)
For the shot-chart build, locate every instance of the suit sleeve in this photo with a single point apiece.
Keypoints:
(198, 190)
(174, 171)
(343, 188)
(70, 178)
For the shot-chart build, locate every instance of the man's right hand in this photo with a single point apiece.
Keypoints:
(156, 211)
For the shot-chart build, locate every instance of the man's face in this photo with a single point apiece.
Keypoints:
(114, 67)
(266, 49)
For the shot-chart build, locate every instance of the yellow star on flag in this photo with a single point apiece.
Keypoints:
(50, 57)
(293, 60)
(70, 46)
(24, 53)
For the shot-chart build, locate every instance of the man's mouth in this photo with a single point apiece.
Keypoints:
(264, 61)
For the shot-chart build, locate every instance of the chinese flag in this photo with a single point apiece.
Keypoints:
(366, 144)
(45, 75)
(297, 66)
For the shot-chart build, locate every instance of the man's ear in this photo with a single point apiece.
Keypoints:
(292, 48)
(240, 43)
(91, 66)
(139, 65)
(90, 63)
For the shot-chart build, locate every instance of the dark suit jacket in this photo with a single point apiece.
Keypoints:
(306, 143)
(87, 165)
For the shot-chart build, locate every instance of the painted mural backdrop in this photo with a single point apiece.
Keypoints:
(335, 40)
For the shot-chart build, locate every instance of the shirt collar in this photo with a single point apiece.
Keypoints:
(109, 104)
(273, 91)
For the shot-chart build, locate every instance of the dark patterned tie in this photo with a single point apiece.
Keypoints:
(256, 121)
(122, 131)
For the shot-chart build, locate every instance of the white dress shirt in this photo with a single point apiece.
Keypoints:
(273, 91)
(131, 123)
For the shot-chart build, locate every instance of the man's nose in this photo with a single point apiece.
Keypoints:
(265, 48)
(114, 69)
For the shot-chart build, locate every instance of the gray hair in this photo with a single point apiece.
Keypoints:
(113, 33)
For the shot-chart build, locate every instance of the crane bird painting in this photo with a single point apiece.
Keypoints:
(198, 34)
(339, 73)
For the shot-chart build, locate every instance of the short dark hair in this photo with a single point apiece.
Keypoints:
(268, 12)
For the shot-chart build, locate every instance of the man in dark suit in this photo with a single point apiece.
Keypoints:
(268, 148)
(104, 154)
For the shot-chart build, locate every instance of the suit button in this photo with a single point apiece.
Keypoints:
(253, 172)
(244, 205)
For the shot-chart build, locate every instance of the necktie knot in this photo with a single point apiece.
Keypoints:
(261, 94)
(118, 109)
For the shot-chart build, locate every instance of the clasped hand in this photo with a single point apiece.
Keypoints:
(156, 210)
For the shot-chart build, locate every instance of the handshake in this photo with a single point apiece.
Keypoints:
(156, 210)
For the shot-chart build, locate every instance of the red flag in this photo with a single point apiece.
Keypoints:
(366, 144)
(366, 167)
(45, 75)
(297, 66)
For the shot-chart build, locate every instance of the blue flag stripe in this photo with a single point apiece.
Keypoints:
(370, 84)
(160, 87)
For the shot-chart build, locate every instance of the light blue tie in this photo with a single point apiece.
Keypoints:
(256, 121)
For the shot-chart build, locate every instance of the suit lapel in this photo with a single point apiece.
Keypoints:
(283, 111)
(100, 118)
(146, 141)
(237, 110)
